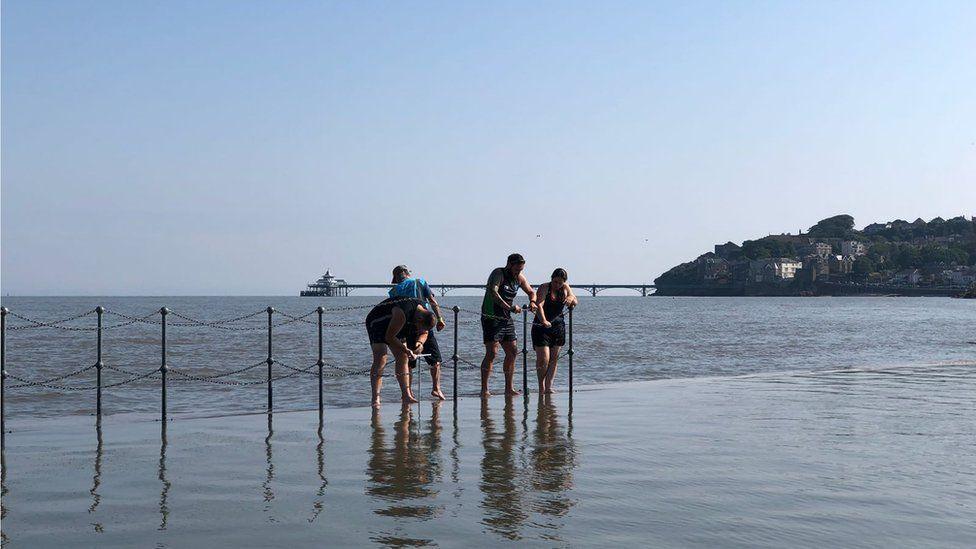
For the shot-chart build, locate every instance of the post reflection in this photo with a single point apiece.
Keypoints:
(402, 476)
(3, 492)
(164, 492)
(270, 472)
(319, 503)
(97, 477)
(553, 458)
(502, 497)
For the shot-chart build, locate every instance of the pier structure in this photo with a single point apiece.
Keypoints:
(340, 288)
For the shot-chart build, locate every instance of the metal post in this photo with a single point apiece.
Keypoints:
(320, 362)
(3, 372)
(98, 364)
(525, 350)
(270, 361)
(571, 353)
(162, 366)
(456, 310)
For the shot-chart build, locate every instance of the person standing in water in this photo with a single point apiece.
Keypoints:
(390, 324)
(417, 288)
(549, 327)
(497, 325)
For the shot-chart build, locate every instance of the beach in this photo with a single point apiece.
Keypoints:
(880, 457)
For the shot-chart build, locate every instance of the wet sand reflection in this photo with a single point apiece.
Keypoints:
(402, 477)
(502, 494)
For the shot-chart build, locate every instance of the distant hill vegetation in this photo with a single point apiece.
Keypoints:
(832, 255)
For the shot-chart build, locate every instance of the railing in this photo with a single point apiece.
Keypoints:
(163, 371)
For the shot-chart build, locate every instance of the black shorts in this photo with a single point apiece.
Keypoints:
(377, 331)
(498, 329)
(553, 336)
(430, 348)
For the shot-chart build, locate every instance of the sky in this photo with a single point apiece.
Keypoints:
(242, 147)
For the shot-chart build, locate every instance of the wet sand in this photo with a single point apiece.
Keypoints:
(854, 458)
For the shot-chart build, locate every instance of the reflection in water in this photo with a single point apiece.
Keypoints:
(3, 491)
(401, 477)
(553, 459)
(164, 493)
(502, 501)
(319, 504)
(97, 478)
(268, 491)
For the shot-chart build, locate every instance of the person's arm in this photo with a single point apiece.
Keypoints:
(396, 324)
(528, 291)
(542, 310)
(436, 307)
(571, 300)
(493, 283)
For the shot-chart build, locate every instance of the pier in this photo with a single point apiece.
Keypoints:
(330, 286)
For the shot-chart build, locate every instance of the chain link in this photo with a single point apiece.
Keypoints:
(53, 323)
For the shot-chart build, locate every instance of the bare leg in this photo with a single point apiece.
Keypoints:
(376, 371)
(403, 377)
(541, 362)
(435, 381)
(511, 350)
(551, 369)
(491, 349)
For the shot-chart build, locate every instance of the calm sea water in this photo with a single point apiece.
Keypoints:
(617, 339)
(700, 423)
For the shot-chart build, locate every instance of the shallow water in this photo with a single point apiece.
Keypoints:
(868, 457)
(617, 339)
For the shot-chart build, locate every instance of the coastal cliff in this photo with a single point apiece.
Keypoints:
(898, 257)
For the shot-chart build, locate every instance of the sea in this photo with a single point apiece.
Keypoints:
(695, 422)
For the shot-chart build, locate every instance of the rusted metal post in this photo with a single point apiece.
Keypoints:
(3, 372)
(270, 361)
(525, 350)
(320, 363)
(98, 364)
(162, 366)
(456, 310)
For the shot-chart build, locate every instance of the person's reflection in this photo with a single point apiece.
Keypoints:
(320, 494)
(164, 493)
(553, 458)
(97, 477)
(502, 498)
(401, 478)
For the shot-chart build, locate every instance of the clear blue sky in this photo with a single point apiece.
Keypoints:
(242, 147)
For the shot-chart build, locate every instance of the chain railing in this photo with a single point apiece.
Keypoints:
(227, 378)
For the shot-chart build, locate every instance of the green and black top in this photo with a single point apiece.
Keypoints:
(508, 286)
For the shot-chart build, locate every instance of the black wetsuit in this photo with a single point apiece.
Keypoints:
(555, 335)
(378, 319)
(496, 322)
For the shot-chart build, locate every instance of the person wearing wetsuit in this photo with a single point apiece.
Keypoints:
(497, 325)
(549, 327)
(408, 286)
(390, 324)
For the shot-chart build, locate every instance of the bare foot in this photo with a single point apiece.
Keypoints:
(512, 392)
(408, 399)
(437, 393)
(550, 391)
(485, 394)
(376, 403)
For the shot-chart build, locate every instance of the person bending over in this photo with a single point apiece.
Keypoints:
(389, 325)
(409, 286)
(549, 326)
(497, 325)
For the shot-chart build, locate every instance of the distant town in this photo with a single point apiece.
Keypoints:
(899, 257)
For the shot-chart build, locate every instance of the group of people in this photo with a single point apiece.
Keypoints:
(404, 324)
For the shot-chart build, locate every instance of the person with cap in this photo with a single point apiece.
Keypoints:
(497, 325)
(390, 325)
(417, 288)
